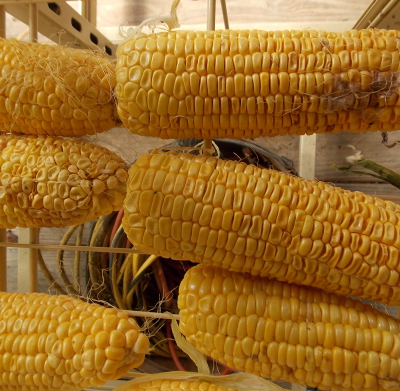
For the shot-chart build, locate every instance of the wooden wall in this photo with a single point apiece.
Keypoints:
(133, 12)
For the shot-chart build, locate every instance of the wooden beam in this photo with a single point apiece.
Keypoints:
(307, 151)
(63, 25)
(3, 232)
(33, 20)
(225, 14)
(211, 10)
(25, 244)
(3, 262)
(89, 11)
(2, 22)
(25, 2)
(27, 259)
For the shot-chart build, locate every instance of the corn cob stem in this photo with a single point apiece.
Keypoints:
(380, 171)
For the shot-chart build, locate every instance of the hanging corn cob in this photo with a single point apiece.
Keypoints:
(53, 90)
(55, 182)
(192, 381)
(169, 383)
(286, 332)
(234, 84)
(60, 343)
(247, 219)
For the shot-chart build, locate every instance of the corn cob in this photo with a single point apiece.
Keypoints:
(234, 84)
(60, 343)
(170, 384)
(53, 90)
(247, 219)
(54, 182)
(287, 332)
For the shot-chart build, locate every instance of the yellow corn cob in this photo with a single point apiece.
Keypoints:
(60, 343)
(53, 90)
(247, 219)
(171, 384)
(286, 332)
(234, 84)
(55, 182)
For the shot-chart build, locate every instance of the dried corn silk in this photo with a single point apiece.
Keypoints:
(55, 182)
(55, 90)
(59, 343)
(287, 332)
(252, 220)
(252, 83)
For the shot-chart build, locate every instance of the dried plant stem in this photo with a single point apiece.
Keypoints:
(71, 248)
(147, 314)
(379, 171)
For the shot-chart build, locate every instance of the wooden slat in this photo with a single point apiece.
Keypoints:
(307, 148)
(33, 19)
(27, 242)
(120, 12)
(89, 11)
(65, 26)
(24, 2)
(27, 257)
(3, 262)
(3, 233)
(211, 10)
(381, 14)
(2, 22)
(27, 260)
(224, 10)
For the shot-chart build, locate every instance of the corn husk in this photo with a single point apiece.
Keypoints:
(196, 356)
(237, 381)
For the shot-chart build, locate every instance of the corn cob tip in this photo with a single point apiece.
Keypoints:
(60, 343)
(55, 90)
(56, 182)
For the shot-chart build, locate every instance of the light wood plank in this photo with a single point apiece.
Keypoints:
(307, 150)
(33, 18)
(89, 11)
(65, 247)
(3, 263)
(120, 12)
(3, 233)
(27, 261)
